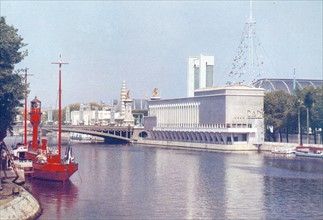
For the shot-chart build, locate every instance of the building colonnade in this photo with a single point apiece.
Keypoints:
(200, 137)
(176, 115)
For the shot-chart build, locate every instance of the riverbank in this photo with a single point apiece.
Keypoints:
(17, 203)
(199, 146)
(266, 146)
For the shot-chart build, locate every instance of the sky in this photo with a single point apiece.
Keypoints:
(147, 43)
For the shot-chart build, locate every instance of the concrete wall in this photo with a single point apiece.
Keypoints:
(212, 109)
(22, 206)
(150, 122)
(199, 146)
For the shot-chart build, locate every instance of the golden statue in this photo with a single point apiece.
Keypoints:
(155, 92)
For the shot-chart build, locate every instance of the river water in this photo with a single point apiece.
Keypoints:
(140, 182)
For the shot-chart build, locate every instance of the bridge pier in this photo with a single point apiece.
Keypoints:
(109, 140)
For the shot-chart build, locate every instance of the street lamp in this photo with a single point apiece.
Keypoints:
(300, 102)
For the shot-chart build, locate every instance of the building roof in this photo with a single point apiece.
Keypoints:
(286, 85)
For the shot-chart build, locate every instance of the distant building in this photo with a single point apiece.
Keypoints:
(67, 115)
(226, 115)
(87, 116)
(287, 85)
(50, 116)
(200, 73)
(139, 111)
(108, 115)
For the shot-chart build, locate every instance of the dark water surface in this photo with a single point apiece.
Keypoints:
(135, 182)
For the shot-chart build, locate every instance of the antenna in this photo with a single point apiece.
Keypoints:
(250, 24)
(248, 63)
(250, 10)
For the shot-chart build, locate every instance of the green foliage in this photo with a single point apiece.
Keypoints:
(12, 88)
(94, 105)
(314, 100)
(11, 92)
(281, 109)
(277, 109)
(74, 107)
(10, 45)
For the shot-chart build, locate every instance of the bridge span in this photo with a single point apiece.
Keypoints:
(111, 134)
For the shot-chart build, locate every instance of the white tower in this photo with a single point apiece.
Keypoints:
(200, 73)
(128, 117)
(68, 115)
(50, 116)
(123, 98)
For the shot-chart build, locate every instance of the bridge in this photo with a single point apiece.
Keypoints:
(111, 134)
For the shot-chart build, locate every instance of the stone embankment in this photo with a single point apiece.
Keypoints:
(17, 203)
(199, 146)
(266, 146)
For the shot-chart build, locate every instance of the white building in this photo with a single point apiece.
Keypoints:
(200, 73)
(87, 116)
(224, 115)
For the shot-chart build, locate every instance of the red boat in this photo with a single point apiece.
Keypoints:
(52, 167)
(48, 164)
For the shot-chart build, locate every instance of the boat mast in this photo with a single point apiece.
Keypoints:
(250, 24)
(25, 114)
(25, 110)
(59, 106)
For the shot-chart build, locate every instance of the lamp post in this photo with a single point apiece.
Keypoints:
(299, 125)
(300, 102)
(307, 124)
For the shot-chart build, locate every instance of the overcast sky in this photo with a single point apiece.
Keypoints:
(147, 43)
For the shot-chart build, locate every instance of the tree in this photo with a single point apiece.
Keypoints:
(74, 107)
(312, 107)
(277, 106)
(317, 113)
(12, 88)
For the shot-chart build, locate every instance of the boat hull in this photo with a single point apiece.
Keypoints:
(304, 154)
(54, 172)
(30, 155)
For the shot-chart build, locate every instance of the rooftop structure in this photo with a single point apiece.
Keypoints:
(286, 85)
(200, 73)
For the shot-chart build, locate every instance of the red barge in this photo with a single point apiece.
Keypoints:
(47, 163)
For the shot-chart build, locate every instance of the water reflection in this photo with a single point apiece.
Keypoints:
(294, 187)
(210, 198)
(243, 187)
(134, 182)
(296, 198)
(56, 198)
(299, 167)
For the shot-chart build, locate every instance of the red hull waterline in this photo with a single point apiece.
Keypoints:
(30, 155)
(54, 171)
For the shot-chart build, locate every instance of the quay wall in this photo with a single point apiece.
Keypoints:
(22, 206)
(266, 146)
(198, 146)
